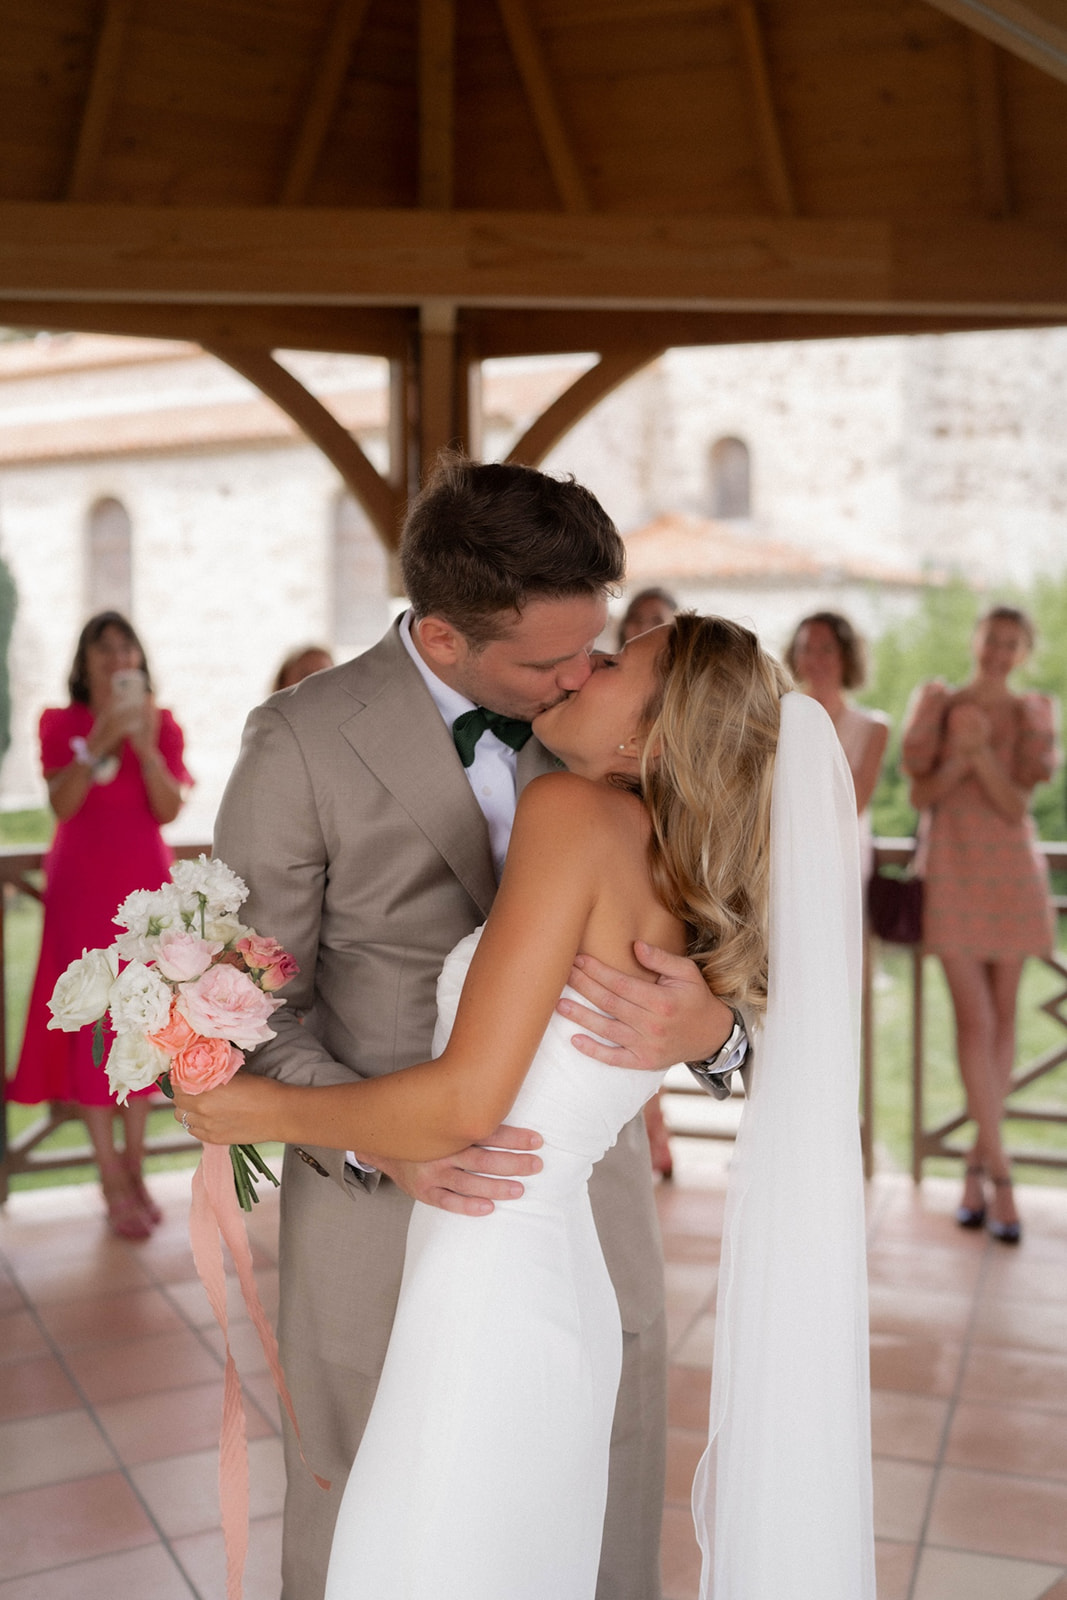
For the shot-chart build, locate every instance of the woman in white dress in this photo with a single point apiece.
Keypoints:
(483, 1471)
(828, 658)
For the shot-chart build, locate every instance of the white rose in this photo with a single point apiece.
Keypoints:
(81, 994)
(134, 1063)
(139, 1000)
(213, 881)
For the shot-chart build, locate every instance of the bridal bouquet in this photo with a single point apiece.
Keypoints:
(187, 989)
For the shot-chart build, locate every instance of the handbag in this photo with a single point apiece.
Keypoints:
(895, 908)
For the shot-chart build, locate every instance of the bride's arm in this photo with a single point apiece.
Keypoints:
(559, 848)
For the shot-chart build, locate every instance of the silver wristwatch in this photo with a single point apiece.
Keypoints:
(714, 1071)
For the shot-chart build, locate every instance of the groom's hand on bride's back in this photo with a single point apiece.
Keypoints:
(652, 1022)
(472, 1181)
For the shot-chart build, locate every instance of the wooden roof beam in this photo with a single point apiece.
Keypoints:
(1034, 30)
(356, 330)
(321, 103)
(776, 174)
(990, 133)
(103, 82)
(613, 368)
(437, 96)
(951, 264)
(532, 64)
(378, 498)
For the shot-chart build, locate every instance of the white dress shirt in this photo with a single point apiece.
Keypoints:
(491, 774)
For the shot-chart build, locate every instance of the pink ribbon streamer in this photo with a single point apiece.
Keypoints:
(214, 1216)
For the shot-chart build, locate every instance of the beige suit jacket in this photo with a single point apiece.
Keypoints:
(350, 818)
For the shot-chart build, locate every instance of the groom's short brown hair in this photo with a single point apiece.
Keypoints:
(482, 539)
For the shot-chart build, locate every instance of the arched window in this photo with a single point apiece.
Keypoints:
(358, 578)
(731, 479)
(109, 559)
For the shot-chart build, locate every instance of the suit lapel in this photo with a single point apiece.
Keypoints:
(400, 735)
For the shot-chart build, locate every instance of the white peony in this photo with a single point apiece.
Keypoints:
(145, 914)
(139, 1000)
(211, 881)
(81, 994)
(134, 1063)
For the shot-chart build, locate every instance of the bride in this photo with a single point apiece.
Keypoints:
(482, 1474)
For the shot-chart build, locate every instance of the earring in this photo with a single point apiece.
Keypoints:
(622, 747)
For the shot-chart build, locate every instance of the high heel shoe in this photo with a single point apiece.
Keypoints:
(1005, 1232)
(971, 1216)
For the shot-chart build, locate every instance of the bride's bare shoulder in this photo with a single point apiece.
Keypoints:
(566, 798)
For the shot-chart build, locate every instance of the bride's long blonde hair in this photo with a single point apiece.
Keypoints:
(706, 774)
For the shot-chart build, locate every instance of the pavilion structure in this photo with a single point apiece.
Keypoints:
(439, 182)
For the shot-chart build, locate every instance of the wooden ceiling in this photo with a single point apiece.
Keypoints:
(508, 176)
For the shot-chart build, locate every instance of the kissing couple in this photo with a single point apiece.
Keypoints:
(669, 862)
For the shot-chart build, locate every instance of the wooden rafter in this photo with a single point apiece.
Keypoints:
(776, 172)
(536, 78)
(1034, 30)
(584, 393)
(437, 94)
(103, 82)
(322, 98)
(991, 145)
(378, 498)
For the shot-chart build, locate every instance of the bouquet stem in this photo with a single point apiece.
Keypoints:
(248, 1166)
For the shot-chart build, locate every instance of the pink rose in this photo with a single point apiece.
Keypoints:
(225, 1004)
(280, 972)
(175, 1036)
(183, 956)
(274, 965)
(259, 951)
(204, 1064)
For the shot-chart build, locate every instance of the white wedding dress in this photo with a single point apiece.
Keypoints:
(483, 1471)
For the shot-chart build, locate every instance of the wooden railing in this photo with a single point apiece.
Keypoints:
(20, 872)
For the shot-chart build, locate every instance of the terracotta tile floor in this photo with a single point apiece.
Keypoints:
(110, 1386)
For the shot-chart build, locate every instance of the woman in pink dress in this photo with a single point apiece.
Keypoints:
(974, 756)
(114, 768)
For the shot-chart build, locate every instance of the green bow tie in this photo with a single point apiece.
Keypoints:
(469, 727)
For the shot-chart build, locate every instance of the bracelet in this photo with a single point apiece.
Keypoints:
(82, 754)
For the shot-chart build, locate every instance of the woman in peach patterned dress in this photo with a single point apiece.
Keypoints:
(974, 756)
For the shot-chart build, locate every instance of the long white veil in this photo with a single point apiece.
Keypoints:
(782, 1497)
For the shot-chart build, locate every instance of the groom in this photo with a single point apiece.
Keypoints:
(372, 837)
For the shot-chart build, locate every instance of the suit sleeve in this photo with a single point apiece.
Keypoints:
(268, 831)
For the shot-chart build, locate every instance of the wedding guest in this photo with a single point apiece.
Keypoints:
(113, 762)
(649, 608)
(652, 608)
(975, 755)
(300, 664)
(827, 657)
